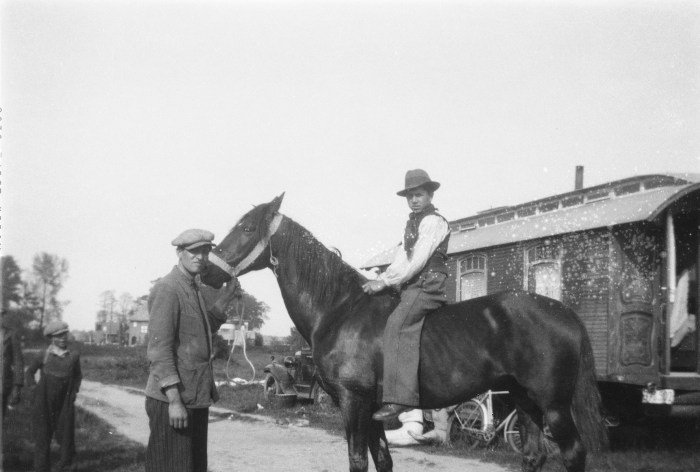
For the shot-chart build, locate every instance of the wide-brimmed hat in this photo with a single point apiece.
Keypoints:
(418, 178)
(55, 328)
(194, 238)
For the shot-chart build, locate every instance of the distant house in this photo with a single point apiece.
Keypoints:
(138, 326)
(111, 331)
(229, 332)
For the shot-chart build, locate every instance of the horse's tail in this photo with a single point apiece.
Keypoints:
(587, 405)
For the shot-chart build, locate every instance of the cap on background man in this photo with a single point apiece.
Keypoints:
(55, 328)
(194, 238)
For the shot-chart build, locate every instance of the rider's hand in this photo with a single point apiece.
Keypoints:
(374, 286)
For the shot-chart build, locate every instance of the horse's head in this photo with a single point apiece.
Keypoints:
(243, 248)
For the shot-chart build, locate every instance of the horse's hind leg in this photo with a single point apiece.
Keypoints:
(531, 431)
(534, 455)
(564, 431)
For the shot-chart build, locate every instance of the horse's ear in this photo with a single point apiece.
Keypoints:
(277, 202)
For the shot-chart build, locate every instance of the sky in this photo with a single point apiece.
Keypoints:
(125, 123)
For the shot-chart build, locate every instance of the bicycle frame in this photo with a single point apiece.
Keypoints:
(487, 430)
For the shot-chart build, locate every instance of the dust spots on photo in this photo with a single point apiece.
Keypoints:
(488, 316)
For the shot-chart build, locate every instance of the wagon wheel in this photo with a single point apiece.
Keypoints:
(321, 397)
(272, 387)
(512, 435)
(467, 426)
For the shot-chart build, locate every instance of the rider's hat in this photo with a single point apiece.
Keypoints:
(418, 178)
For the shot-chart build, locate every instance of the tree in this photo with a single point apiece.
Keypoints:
(248, 308)
(107, 303)
(12, 287)
(29, 304)
(295, 340)
(126, 306)
(48, 273)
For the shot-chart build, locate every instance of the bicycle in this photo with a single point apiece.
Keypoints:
(475, 423)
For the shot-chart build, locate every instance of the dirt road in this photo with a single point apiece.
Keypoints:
(256, 443)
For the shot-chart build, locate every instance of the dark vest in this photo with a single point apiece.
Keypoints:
(437, 261)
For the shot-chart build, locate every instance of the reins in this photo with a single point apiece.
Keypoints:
(239, 337)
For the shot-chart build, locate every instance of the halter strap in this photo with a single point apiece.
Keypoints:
(257, 250)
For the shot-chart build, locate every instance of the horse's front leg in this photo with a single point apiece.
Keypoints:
(363, 432)
(379, 447)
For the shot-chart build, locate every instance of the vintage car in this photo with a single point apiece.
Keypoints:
(296, 375)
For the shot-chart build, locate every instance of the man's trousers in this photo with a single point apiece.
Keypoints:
(176, 450)
(53, 415)
(402, 338)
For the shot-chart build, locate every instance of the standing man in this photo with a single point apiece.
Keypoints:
(53, 405)
(181, 386)
(12, 361)
(419, 272)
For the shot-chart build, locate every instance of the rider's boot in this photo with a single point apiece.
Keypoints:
(390, 411)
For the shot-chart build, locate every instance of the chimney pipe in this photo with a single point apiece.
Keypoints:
(578, 185)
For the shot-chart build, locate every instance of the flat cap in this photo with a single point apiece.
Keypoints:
(55, 328)
(193, 238)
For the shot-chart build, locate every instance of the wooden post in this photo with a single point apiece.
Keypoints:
(670, 288)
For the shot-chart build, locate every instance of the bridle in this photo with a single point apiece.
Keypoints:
(254, 254)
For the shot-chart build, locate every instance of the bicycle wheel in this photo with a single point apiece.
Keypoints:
(511, 432)
(467, 425)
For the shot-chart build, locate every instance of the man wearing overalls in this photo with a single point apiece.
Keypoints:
(419, 271)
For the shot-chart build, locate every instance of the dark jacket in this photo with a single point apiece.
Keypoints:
(12, 359)
(179, 341)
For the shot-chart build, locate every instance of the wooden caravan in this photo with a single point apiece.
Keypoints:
(624, 255)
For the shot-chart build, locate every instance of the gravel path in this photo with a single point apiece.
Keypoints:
(245, 442)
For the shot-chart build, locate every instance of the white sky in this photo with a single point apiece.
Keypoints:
(124, 122)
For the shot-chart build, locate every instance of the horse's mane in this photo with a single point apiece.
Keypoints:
(321, 272)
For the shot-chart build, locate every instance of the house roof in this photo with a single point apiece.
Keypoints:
(601, 206)
(141, 314)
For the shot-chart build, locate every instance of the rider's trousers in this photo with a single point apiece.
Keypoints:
(402, 338)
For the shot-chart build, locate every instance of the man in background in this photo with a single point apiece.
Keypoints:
(12, 362)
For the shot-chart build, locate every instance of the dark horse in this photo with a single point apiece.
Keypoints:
(532, 345)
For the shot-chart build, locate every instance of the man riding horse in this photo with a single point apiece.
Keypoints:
(533, 346)
(419, 272)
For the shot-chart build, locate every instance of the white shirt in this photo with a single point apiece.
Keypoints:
(431, 232)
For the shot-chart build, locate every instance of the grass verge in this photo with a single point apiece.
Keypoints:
(98, 447)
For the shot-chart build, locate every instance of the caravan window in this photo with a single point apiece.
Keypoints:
(543, 270)
(472, 277)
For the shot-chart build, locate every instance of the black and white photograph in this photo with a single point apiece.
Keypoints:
(305, 235)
